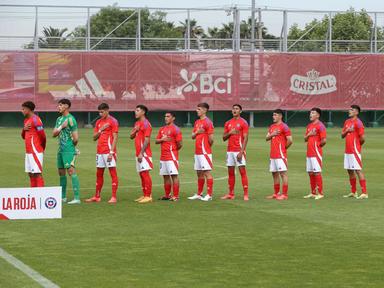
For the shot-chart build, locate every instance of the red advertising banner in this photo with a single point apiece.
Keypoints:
(179, 81)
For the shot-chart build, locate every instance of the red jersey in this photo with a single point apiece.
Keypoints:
(236, 141)
(169, 148)
(34, 138)
(144, 129)
(313, 144)
(352, 139)
(279, 142)
(202, 145)
(104, 143)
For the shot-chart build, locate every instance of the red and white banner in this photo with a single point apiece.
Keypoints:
(292, 81)
(30, 203)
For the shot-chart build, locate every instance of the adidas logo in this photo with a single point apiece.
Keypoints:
(88, 86)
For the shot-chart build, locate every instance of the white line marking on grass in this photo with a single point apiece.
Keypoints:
(44, 282)
(161, 184)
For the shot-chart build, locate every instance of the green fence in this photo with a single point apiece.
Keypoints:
(260, 118)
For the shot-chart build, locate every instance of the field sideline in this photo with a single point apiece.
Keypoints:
(333, 242)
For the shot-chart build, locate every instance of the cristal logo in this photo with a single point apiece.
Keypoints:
(207, 84)
(313, 84)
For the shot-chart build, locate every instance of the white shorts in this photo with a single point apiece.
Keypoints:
(313, 165)
(232, 159)
(145, 165)
(203, 162)
(34, 164)
(102, 161)
(277, 165)
(169, 167)
(352, 162)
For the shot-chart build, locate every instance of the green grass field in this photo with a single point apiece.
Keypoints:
(334, 242)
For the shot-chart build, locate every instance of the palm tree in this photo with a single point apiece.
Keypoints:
(53, 37)
(195, 30)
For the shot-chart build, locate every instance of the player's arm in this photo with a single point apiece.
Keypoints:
(244, 147)
(133, 133)
(57, 130)
(23, 133)
(210, 139)
(115, 136)
(323, 141)
(75, 137)
(228, 134)
(42, 137)
(289, 141)
(145, 145)
(159, 139)
(362, 139)
(179, 144)
(271, 135)
(345, 132)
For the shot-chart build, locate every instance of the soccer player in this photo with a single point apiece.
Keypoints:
(315, 136)
(142, 135)
(35, 142)
(66, 130)
(280, 136)
(105, 133)
(353, 132)
(203, 135)
(236, 132)
(170, 139)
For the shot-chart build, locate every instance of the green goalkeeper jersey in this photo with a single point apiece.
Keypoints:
(65, 136)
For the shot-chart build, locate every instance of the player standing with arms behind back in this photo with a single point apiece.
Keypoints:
(105, 133)
(142, 135)
(353, 133)
(170, 139)
(236, 132)
(315, 136)
(35, 141)
(66, 131)
(280, 136)
(203, 135)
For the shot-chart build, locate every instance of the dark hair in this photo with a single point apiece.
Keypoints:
(237, 105)
(203, 105)
(29, 104)
(65, 101)
(172, 113)
(357, 107)
(318, 110)
(278, 111)
(103, 106)
(143, 107)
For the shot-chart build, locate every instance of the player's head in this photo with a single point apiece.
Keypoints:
(202, 109)
(314, 114)
(277, 115)
(141, 111)
(236, 110)
(27, 108)
(169, 117)
(64, 105)
(103, 110)
(354, 110)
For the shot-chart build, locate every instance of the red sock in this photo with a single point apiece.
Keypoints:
(363, 184)
(244, 180)
(147, 188)
(312, 181)
(352, 181)
(99, 181)
(231, 180)
(285, 190)
(200, 185)
(176, 188)
(142, 178)
(276, 188)
(210, 186)
(167, 189)
(39, 181)
(115, 180)
(319, 183)
(32, 181)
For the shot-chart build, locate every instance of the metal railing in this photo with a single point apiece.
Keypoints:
(38, 16)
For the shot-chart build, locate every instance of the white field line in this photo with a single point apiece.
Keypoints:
(44, 282)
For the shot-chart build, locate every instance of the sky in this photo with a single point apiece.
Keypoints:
(20, 21)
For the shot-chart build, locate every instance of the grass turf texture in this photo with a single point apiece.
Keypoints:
(334, 242)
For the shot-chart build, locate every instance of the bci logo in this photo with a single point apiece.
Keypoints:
(206, 83)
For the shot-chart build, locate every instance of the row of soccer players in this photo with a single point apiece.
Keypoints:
(169, 138)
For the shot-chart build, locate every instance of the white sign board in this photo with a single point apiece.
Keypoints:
(30, 203)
